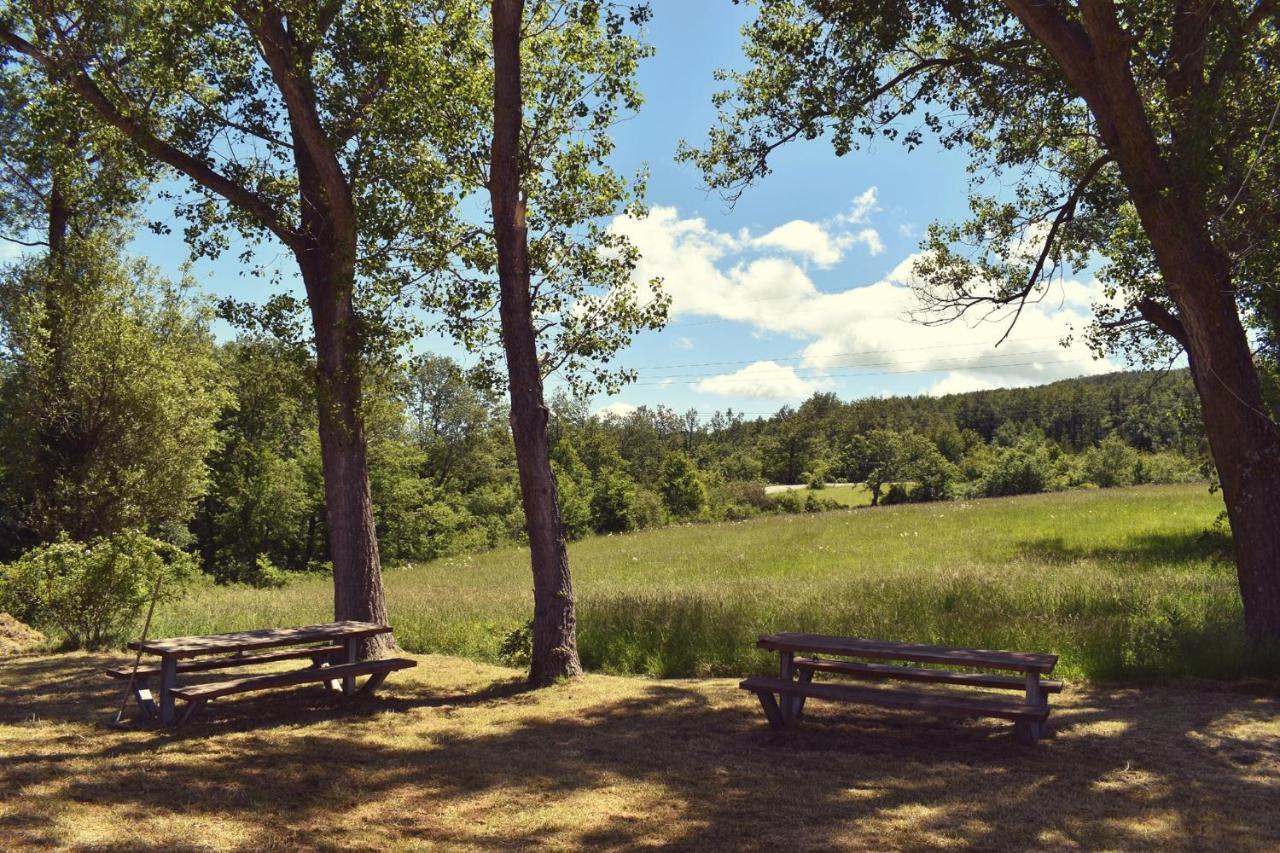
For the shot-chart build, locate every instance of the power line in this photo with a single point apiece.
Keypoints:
(952, 363)
(843, 354)
(757, 379)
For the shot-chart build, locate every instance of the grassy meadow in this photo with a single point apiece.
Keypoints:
(1122, 583)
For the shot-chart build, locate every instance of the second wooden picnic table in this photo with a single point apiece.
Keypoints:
(334, 659)
(795, 679)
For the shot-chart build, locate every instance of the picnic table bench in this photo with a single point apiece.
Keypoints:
(783, 697)
(332, 649)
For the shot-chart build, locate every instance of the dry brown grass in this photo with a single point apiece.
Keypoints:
(17, 637)
(455, 754)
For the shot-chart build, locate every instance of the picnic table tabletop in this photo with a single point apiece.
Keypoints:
(1037, 662)
(243, 641)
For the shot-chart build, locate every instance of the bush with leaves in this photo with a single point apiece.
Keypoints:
(613, 504)
(682, 491)
(107, 416)
(1022, 469)
(93, 592)
(1166, 467)
(1111, 463)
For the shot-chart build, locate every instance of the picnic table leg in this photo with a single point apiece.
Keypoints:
(353, 650)
(1026, 731)
(168, 681)
(786, 672)
(1036, 696)
(805, 677)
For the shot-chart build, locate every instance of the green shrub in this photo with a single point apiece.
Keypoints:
(267, 575)
(1166, 467)
(682, 491)
(612, 504)
(789, 501)
(1112, 463)
(93, 593)
(898, 494)
(813, 503)
(516, 648)
(648, 510)
(817, 478)
(1022, 469)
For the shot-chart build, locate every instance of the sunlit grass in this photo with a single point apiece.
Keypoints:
(453, 755)
(850, 496)
(1120, 583)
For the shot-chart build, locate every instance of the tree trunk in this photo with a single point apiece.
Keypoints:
(555, 648)
(59, 452)
(1243, 439)
(1245, 444)
(353, 542)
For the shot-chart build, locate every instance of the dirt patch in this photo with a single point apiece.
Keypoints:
(16, 637)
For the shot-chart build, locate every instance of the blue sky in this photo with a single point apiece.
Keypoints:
(802, 285)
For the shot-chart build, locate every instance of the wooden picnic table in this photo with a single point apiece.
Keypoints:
(795, 679)
(335, 658)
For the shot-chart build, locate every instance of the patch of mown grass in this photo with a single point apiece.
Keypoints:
(456, 755)
(1120, 583)
(850, 496)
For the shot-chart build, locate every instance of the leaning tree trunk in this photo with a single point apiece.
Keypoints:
(353, 543)
(1245, 444)
(1243, 439)
(555, 648)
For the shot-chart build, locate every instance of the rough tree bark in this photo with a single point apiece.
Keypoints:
(1243, 439)
(555, 648)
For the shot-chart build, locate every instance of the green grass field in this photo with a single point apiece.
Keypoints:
(1121, 583)
(850, 496)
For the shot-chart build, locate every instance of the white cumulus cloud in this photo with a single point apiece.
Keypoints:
(864, 330)
(871, 237)
(862, 208)
(766, 379)
(617, 409)
(807, 239)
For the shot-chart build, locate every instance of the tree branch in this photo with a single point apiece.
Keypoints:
(1065, 214)
(29, 243)
(278, 50)
(1163, 319)
(77, 79)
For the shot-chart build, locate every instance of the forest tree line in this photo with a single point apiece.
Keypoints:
(214, 447)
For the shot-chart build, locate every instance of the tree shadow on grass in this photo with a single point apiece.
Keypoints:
(1144, 551)
(618, 763)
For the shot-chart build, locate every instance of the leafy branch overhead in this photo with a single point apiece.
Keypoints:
(578, 74)
(1049, 197)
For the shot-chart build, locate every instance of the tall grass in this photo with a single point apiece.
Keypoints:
(1120, 583)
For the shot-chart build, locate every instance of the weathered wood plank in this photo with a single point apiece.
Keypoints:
(168, 680)
(959, 706)
(786, 672)
(917, 652)
(229, 662)
(212, 644)
(879, 671)
(214, 690)
(772, 712)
